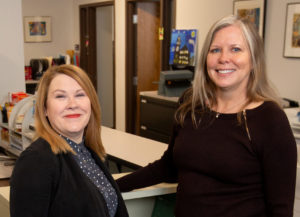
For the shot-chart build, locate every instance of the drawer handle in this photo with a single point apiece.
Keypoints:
(143, 127)
(143, 100)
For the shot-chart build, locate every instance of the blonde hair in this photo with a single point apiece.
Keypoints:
(203, 92)
(92, 132)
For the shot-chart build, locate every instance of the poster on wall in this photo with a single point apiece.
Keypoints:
(292, 31)
(183, 47)
(37, 29)
(252, 10)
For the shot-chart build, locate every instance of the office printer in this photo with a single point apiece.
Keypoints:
(173, 83)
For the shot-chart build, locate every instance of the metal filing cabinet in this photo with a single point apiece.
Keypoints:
(157, 115)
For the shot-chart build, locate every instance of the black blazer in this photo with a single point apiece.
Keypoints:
(47, 185)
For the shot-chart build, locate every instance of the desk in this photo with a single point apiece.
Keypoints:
(4, 202)
(127, 149)
(138, 202)
(131, 150)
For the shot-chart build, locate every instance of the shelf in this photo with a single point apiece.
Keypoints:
(16, 138)
(10, 149)
(29, 135)
(4, 144)
(31, 81)
(4, 125)
(14, 151)
(19, 133)
(16, 132)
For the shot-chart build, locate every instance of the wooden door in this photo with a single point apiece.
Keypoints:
(97, 54)
(146, 56)
(148, 49)
(88, 53)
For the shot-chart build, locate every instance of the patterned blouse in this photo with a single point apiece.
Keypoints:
(89, 167)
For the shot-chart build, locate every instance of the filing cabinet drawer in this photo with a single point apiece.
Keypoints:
(156, 118)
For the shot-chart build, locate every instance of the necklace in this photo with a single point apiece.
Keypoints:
(230, 108)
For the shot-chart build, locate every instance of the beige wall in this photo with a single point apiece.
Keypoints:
(11, 52)
(119, 53)
(61, 13)
(284, 72)
(199, 14)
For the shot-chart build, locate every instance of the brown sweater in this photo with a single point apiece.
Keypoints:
(221, 172)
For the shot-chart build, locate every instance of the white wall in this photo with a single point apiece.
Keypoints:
(11, 52)
(62, 20)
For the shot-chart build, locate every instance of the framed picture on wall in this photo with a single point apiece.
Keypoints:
(292, 31)
(183, 47)
(253, 10)
(37, 29)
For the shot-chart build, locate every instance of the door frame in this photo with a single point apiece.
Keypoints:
(92, 66)
(167, 21)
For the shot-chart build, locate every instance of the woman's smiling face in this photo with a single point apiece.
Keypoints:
(229, 60)
(68, 108)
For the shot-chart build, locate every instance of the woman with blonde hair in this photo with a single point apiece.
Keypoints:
(232, 150)
(62, 173)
